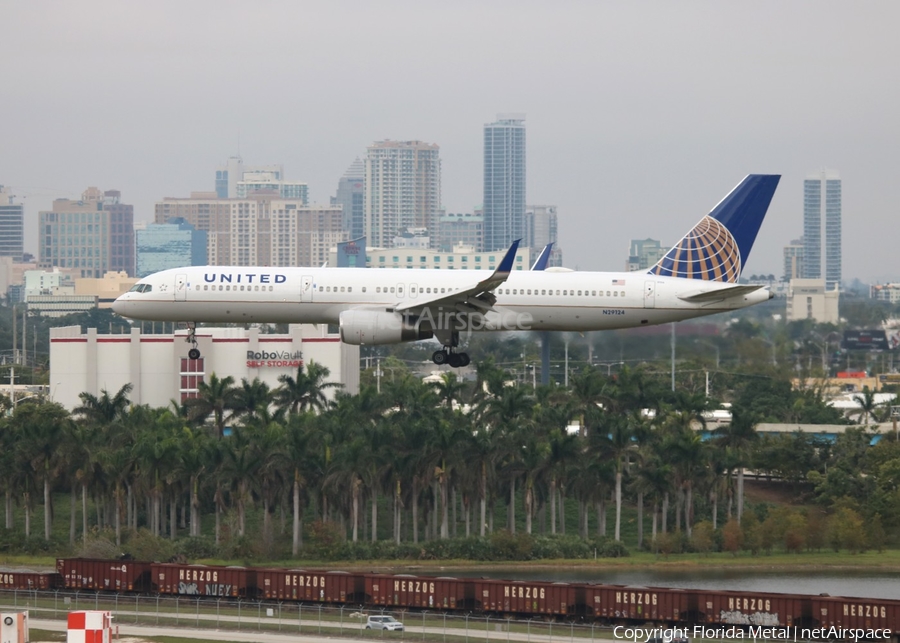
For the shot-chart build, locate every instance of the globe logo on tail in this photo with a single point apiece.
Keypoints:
(708, 252)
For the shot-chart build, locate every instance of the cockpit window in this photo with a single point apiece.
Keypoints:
(141, 288)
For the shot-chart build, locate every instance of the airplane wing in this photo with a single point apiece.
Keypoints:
(718, 294)
(478, 298)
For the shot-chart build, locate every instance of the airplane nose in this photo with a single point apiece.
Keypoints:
(119, 305)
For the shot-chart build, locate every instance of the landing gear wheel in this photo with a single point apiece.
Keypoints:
(454, 360)
(463, 359)
(439, 357)
(194, 353)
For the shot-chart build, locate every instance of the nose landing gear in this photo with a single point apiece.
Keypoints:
(194, 352)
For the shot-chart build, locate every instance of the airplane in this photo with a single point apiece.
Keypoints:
(696, 277)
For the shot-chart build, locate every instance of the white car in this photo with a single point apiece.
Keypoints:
(384, 623)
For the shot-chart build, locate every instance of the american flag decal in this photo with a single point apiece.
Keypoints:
(618, 282)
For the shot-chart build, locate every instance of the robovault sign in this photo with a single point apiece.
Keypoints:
(274, 359)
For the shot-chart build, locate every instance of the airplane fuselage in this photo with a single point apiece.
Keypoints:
(527, 300)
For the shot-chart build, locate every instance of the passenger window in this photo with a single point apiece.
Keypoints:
(205, 287)
(615, 293)
(593, 293)
(349, 288)
(529, 291)
(607, 294)
(364, 289)
(221, 288)
(543, 292)
(377, 288)
(399, 290)
(342, 289)
(579, 293)
(271, 288)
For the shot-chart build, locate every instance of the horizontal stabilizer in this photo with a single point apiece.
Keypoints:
(720, 293)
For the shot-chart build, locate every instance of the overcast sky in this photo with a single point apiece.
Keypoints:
(640, 115)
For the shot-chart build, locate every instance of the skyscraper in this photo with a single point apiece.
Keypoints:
(172, 244)
(504, 181)
(542, 227)
(402, 190)
(260, 230)
(234, 180)
(94, 235)
(822, 199)
(351, 197)
(12, 226)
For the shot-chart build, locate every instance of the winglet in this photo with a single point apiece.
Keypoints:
(544, 258)
(506, 264)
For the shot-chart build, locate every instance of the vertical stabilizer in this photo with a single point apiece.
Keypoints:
(717, 248)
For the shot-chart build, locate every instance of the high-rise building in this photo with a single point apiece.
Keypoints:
(266, 181)
(229, 175)
(260, 230)
(822, 200)
(402, 190)
(173, 244)
(644, 253)
(12, 226)
(461, 229)
(93, 235)
(504, 181)
(541, 228)
(793, 260)
(351, 197)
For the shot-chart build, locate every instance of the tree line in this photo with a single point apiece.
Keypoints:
(421, 462)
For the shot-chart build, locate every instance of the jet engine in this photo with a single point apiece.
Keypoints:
(380, 327)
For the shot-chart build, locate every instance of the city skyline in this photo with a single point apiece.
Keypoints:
(637, 118)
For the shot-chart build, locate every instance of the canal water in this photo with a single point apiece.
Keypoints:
(862, 583)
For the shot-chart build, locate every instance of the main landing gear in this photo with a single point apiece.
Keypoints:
(193, 353)
(445, 356)
(448, 355)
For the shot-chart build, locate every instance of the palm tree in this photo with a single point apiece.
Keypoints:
(300, 448)
(42, 430)
(215, 398)
(614, 441)
(104, 410)
(449, 389)
(738, 438)
(306, 392)
(868, 405)
(443, 452)
(652, 479)
(251, 399)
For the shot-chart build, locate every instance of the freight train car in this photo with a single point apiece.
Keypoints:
(104, 575)
(25, 579)
(202, 580)
(750, 608)
(422, 592)
(621, 603)
(854, 613)
(539, 598)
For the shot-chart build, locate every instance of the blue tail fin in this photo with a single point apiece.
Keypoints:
(717, 248)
